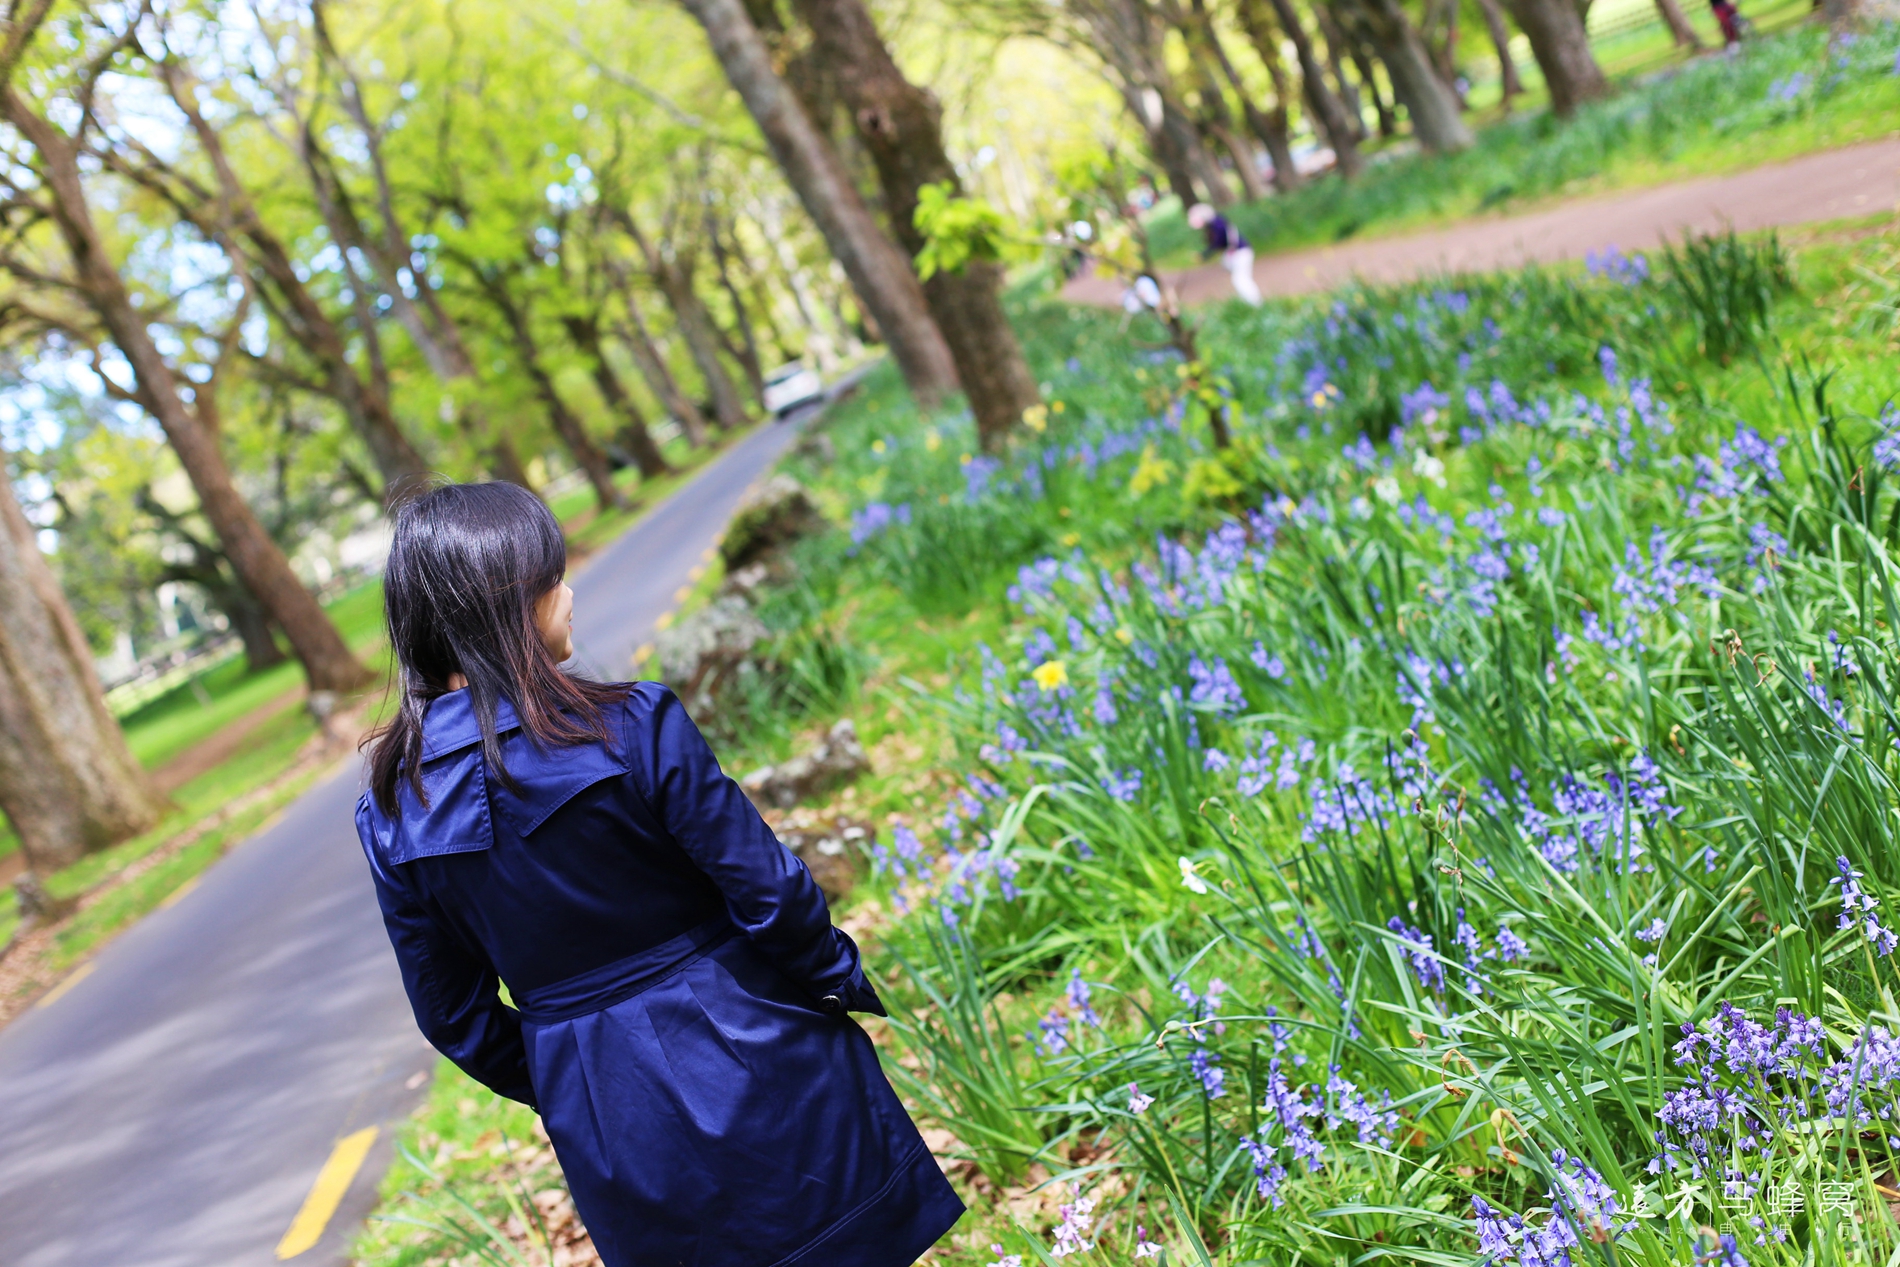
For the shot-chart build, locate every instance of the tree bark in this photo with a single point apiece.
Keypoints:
(1511, 82)
(878, 271)
(1436, 121)
(633, 433)
(586, 454)
(1218, 122)
(652, 366)
(260, 565)
(1334, 127)
(1562, 48)
(208, 569)
(747, 351)
(68, 784)
(1270, 128)
(1126, 35)
(1840, 14)
(1678, 23)
(674, 277)
(1338, 52)
(901, 127)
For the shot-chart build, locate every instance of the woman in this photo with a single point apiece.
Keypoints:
(679, 992)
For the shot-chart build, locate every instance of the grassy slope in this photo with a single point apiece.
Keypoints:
(1714, 115)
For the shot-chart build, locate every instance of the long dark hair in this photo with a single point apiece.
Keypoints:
(468, 564)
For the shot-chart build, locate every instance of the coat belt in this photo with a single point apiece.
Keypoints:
(601, 988)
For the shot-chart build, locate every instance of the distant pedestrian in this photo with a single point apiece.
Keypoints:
(680, 996)
(1235, 252)
(1729, 18)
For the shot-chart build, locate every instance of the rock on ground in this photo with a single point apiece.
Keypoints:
(831, 852)
(836, 761)
(772, 516)
(705, 655)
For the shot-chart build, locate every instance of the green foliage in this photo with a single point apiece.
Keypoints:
(1728, 287)
(959, 230)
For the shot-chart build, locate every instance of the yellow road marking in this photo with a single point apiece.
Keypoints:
(177, 895)
(666, 619)
(332, 1182)
(679, 595)
(698, 570)
(58, 992)
(641, 654)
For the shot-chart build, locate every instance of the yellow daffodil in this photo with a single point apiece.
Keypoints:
(1124, 635)
(1036, 418)
(932, 441)
(1050, 674)
(877, 446)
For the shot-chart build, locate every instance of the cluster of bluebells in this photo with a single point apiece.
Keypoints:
(1204, 1010)
(1858, 909)
(874, 519)
(1753, 1086)
(1287, 1133)
(1630, 270)
(1588, 821)
(1582, 1206)
(1421, 953)
(1054, 1036)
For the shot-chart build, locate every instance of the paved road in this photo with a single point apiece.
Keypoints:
(174, 1107)
(1857, 180)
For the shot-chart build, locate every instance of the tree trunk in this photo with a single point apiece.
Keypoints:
(1219, 123)
(1125, 35)
(1840, 14)
(1337, 53)
(633, 433)
(747, 352)
(1678, 23)
(586, 454)
(878, 271)
(260, 565)
(1562, 48)
(674, 277)
(1333, 125)
(1434, 109)
(1501, 40)
(68, 784)
(900, 125)
(652, 367)
(365, 406)
(1271, 129)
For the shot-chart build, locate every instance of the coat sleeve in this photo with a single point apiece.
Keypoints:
(454, 994)
(769, 891)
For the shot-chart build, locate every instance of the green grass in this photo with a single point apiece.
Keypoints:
(469, 1165)
(1713, 115)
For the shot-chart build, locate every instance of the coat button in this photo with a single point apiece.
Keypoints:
(831, 1005)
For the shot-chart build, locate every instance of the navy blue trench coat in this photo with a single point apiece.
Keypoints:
(679, 994)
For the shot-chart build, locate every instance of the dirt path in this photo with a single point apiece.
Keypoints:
(1856, 181)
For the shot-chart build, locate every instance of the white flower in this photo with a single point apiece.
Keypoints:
(1387, 490)
(1137, 1102)
(1192, 882)
(1425, 466)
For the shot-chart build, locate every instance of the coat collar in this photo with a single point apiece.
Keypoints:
(451, 724)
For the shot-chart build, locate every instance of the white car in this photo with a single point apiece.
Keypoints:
(790, 386)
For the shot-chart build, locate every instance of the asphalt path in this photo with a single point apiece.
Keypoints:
(175, 1106)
